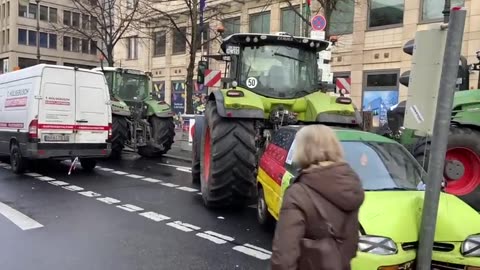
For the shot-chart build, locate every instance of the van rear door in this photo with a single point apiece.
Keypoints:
(92, 109)
(56, 117)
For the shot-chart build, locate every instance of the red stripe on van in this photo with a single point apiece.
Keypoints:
(11, 125)
(72, 127)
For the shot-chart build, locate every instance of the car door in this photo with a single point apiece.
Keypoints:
(91, 110)
(273, 169)
(56, 117)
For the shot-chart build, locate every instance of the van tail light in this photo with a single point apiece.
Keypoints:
(33, 129)
(109, 131)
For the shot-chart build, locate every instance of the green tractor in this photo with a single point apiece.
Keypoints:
(462, 168)
(140, 122)
(271, 81)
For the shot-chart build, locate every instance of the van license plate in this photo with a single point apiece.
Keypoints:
(56, 137)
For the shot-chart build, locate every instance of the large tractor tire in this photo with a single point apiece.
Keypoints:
(462, 165)
(119, 136)
(163, 132)
(227, 160)
(197, 131)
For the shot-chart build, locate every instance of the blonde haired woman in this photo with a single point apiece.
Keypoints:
(318, 225)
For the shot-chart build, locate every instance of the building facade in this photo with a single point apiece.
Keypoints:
(368, 55)
(18, 35)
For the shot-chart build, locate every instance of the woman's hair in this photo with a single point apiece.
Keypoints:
(316, 145)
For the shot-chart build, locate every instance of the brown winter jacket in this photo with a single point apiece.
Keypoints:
(338, 189)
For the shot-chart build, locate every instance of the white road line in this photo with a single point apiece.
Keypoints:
(224, 237)
(179, 227)
(8, 167)
(33, 174)
(108, 200)
(45, 178)
(18, 218)
(90, 194)
(119, 172)
(211, 238)
(154, 216)
(106, 169)
(187, 189)
(3, 165)
(151, 180)
(175, 166)
(258, 248)
(184, 170)
(73, 188)
(252, 252)
(135, 176)
(193, 227)
(168, 185)
(58, 183)
(253, 206)
(130, 208)
(199, 193)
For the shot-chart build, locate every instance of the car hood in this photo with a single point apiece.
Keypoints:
(398, 214)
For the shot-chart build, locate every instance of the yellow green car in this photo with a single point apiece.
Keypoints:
(391, 213)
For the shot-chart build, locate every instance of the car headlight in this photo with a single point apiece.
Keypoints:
(471, 246)
(377, 245)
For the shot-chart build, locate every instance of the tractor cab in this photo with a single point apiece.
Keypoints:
(128, 84)
(277, 66)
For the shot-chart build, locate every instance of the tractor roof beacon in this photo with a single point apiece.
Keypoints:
(271, 81)
(141, 122)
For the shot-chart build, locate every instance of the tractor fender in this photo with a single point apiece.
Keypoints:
(159, 109)
(223, 111)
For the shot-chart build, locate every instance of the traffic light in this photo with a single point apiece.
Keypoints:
(408, 49)
(202, 66)
(463, 72)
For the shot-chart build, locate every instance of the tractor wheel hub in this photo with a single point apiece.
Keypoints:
(454, 169)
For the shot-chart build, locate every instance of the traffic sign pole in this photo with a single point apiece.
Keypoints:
(441, 127)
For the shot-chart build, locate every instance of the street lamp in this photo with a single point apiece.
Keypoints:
(38, 31)
(446, 11)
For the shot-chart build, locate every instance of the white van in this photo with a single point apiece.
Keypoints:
(54, 112)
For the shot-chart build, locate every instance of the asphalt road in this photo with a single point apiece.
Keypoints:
(129, 214)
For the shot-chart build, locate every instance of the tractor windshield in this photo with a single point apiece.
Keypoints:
(278, 71)
(130, 87)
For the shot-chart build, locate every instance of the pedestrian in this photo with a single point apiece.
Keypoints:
(318, 227)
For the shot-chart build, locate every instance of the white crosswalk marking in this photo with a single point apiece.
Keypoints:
(18, 218)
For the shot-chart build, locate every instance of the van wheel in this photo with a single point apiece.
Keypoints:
(264, 217)
(88, 164)
(17, 162)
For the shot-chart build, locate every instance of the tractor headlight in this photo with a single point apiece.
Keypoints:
(471, 246)
(377, 245)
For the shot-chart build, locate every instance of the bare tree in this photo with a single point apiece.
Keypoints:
(160, 16)
(328, 7)
(102, 22)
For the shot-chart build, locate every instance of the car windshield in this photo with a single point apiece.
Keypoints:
(383, 166)
(279, 71)
(128, 86)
